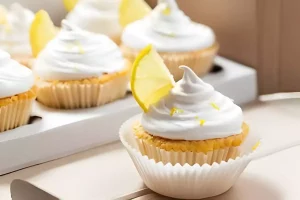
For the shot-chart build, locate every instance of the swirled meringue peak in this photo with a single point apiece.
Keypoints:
(77, 54)
(169, 30)
(14, 33)
(14, 77)
(193, 110)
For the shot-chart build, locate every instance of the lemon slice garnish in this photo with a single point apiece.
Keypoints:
(132, 10)
(42, 30)
(70, 4)
(151, 79)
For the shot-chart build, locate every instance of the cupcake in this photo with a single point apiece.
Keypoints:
(16, 93)
(14, 33)
(186, 122)
(98, 16)
(79, 69)
(192, 124)
(178, 40)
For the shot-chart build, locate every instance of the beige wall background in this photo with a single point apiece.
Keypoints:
(263, 34)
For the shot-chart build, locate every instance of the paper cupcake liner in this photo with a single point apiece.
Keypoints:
(186, 181)
(15, 114)
(199, 61)
(80, 95)
(191, 158)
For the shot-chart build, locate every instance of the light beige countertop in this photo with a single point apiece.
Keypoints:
(107, 172)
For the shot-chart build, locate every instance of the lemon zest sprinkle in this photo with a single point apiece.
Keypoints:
(214, 105)
(171, 35)
(166, 11)
(175, 111)
(81, 50)
(76, 44)
(255, 146)
(202, 121)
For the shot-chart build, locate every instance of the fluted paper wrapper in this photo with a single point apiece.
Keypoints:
(71, 96)
(186, 157)
(199, 61)
(15, 114)
(181, 180)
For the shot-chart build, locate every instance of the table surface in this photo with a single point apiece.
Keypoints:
(107, 172)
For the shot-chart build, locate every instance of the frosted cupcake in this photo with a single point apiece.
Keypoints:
(79, 69)
(16, 93)
(98, 16)
(178, 40)
(184, 122)
(194, 121)
(14, 33)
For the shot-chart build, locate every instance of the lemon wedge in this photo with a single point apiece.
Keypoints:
(3, 14)
(151, 79)
(42, 30)
(132, 10)
(70, 4)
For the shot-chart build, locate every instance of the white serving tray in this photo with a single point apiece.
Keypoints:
(63, 132)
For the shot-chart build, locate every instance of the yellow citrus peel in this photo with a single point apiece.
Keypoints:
(132, 10)
(42, 30)
(70, 4)
(151, 79)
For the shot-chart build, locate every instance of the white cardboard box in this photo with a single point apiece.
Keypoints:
(63, 132)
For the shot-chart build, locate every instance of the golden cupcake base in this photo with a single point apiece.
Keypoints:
(84, 93)
(15, 111)
(26, 60)
(199, 61)
(191, 152)
(116, 39)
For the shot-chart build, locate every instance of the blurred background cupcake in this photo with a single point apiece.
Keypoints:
(14, 32)
(98, 16)
(78, 69)
(178, 40)
(16, 94)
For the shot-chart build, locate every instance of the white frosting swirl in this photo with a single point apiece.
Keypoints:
(193, 110)
(98, 16)
(76, 54)
(168, 29)
(14, 77)
(14, 34)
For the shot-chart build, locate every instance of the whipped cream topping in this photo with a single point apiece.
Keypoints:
(193, 110)
(76, 54)
(98, 16)
(14, 77)
(168, 29)
(14, 33)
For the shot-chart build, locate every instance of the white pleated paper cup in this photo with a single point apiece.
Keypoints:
(186, 181)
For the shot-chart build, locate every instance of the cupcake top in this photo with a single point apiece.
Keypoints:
(14, 30)
(193, 110)
(98, 16)
(14, 77)
(168, 29)
(76, 54)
